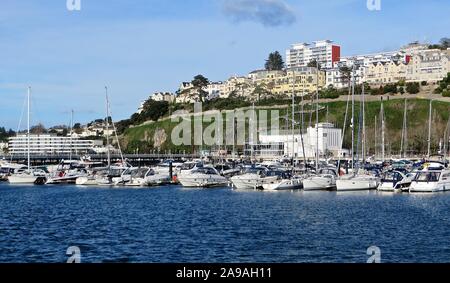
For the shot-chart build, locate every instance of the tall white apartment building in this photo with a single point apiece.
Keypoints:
(49, 144)
(325, 52)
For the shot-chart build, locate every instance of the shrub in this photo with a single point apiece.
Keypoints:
(412, 88)
(375, 91)
(424, 83)
(390, 88)
(330, 93)
(401, 90)
(446, 93)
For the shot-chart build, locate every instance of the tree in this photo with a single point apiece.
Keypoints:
(199, 83)
(412, 88)
(313, 64)
(39, 129)
(346, 73)
(261, 91)
(274, 62)
(445, 42)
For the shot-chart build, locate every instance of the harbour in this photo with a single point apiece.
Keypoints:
(173, 224)
(232, 139)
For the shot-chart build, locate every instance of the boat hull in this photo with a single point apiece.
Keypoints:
(202, 181)
(432, 187)
(318, 183)
(356, 184)
(22, 179)
(251, 182)
(284, 185)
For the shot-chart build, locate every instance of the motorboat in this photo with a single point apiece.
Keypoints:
(357, 182)
(253, 178)
(394, 181)
(203, 177)
(153, 178)
(325, 180)
(430, 181)
(101, 178)
(285, 181)
(137, 177)
(125, 177)
(228, 170)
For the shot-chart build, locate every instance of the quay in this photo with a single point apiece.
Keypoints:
(135, 159)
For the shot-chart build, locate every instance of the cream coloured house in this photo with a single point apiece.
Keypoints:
(429, 65)
(385, 73)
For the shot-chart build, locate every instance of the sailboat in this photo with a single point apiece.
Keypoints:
(105, 178)
(27, 176)
(358, 180)
(287, 181)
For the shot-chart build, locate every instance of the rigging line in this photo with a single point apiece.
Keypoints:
(20, 121)
(115, 133)
(343, 130)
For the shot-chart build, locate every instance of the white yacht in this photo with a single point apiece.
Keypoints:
(203, 177)
(153, 178)
(27, 177)
(253, 178)
(101, 178)
(431, 181)
(67, 172)
(285, 181)
(357, 182)
(137, 177)
(394, 181)
(325, 180)
(125, 177)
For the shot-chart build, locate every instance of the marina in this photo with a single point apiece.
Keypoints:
(172, 224)
(231, 139)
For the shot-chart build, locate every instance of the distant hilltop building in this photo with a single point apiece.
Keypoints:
(157, 96)
(430, 65)
(325, 52)
(415, 62)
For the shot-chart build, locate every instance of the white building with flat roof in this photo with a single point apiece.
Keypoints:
(324, 51)
(330, 139)
(48, 144)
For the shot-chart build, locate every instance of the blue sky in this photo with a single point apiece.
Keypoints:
(137, 47)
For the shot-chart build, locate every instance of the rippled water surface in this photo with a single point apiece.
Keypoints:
(174, 224)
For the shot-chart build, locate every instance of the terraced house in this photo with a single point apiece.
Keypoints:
(430, 65)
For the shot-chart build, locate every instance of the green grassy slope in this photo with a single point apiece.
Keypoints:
(143, 137)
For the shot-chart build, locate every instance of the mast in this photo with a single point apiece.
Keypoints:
(429, 130)
(301, 129)
(317, 116)
(363, 126)
(234, 134)
(252, 131)
(28, 129)
(71, 133)
(403, 147)
(293, 119)
(353, 118)
(376, 145)
(446, 139)
(107, 128)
